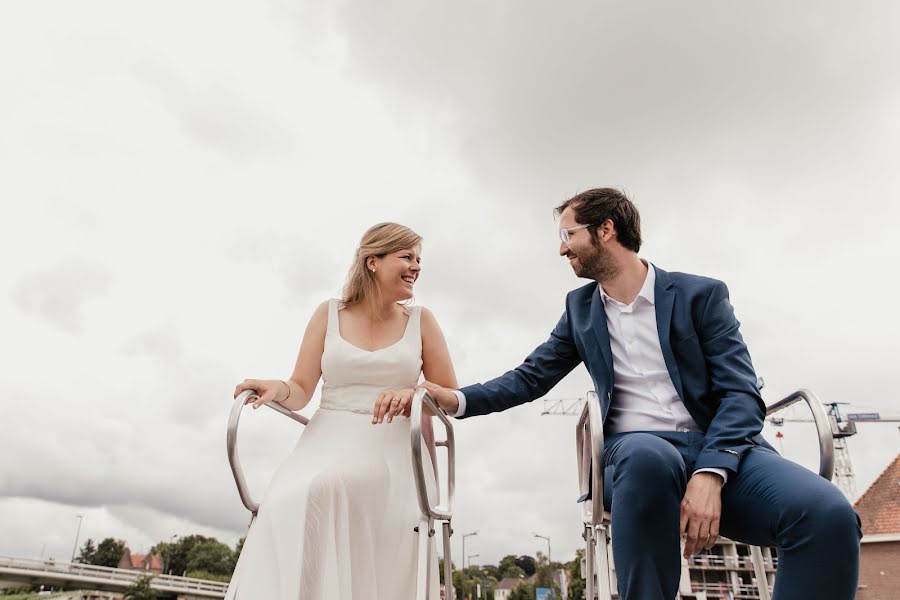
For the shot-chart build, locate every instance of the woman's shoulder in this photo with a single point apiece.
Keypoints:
(428, 322)
(321, 312)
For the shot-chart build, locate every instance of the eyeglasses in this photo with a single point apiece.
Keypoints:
(565, 234)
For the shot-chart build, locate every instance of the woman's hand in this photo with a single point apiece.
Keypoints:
(267, 390)
(391, 403)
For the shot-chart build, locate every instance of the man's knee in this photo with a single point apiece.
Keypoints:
(828, 518)
(837, 517)
(650, 463)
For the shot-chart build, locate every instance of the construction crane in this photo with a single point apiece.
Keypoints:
(842, 427)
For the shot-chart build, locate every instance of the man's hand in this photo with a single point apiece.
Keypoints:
(445, 398)
(701, 508)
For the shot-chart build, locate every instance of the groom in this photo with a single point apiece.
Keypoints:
(682, 416)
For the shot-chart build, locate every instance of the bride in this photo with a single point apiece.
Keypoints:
(337, 520)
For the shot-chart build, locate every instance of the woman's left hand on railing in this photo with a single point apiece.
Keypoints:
(391, 403)
(266, 390)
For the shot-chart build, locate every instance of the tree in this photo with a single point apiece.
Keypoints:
(141, 589)
(509, 568)
(523, 591)
(109, 553)
(176, 555)
(86, 556)
(543, 578)
(491, 571)
(238, 548)
(576, 579)
(526, 563)
(211, 556)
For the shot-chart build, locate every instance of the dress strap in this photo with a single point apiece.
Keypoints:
(333, 327)
(414, 327)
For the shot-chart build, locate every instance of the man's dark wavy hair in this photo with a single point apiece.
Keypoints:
(595, 206)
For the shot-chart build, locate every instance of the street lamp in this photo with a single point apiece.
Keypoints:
(465, 535)
(544, 537)
(169, 554)
(470, 557)
(77, 533)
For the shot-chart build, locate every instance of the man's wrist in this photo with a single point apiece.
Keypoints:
(719, 475)
(461, 406)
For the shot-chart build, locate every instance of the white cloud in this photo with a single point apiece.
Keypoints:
(58, 294)
(184, 183)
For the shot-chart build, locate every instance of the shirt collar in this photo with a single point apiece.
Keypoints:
(648, 290)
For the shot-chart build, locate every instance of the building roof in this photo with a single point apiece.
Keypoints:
(879, 506)
(139, 561)
(508, 583)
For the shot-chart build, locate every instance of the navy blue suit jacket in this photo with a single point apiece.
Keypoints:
(704, 352)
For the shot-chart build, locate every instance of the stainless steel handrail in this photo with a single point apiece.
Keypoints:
(823, 427)
(589, 444)
(231, 443)
(438, 512)
(431, 513)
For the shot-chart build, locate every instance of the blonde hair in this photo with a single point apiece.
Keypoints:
(377, 241)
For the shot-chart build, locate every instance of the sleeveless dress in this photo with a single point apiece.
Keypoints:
(337, 520)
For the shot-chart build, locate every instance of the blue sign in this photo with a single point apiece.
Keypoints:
(863, 417)
(543, 594)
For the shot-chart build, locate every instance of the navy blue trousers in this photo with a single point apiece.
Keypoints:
(770, 502)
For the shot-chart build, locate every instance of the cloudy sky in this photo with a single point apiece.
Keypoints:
(183, 182)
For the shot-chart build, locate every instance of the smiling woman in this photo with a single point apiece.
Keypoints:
(338, 518)
(386, 264)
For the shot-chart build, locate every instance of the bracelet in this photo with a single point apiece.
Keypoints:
(289, 390)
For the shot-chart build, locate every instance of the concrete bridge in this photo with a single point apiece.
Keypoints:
(76, 575)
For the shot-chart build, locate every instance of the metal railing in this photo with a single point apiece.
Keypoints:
(589, 446)
(429, 512)
(734, 563)
(432, 512)
(121, 578)
(231, 444)
(823, 427)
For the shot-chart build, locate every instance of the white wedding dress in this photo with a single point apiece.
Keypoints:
(337, 520)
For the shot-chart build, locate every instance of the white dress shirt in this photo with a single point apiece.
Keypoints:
(643, 396)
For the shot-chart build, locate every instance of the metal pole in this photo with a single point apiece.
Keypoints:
(169, 555)
(465, 535)
(544, 537)
(77, 533)
(471, 556)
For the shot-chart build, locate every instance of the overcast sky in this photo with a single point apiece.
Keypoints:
(183, 182)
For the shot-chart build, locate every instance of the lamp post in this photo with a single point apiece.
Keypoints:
(465, 535)
(470, 557)
(169, 554)
(77, 533)
(544, 537)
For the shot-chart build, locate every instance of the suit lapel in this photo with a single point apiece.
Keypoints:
(665, 303)
(598, 324)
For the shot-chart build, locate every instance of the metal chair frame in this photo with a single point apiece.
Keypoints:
(596, 534)
(430, 513)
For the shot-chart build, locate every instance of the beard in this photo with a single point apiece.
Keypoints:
(599, 265)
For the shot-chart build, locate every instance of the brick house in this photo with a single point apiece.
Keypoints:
(879, 511)
(141, 562)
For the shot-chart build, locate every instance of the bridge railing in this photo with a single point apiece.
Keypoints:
(124, 576)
